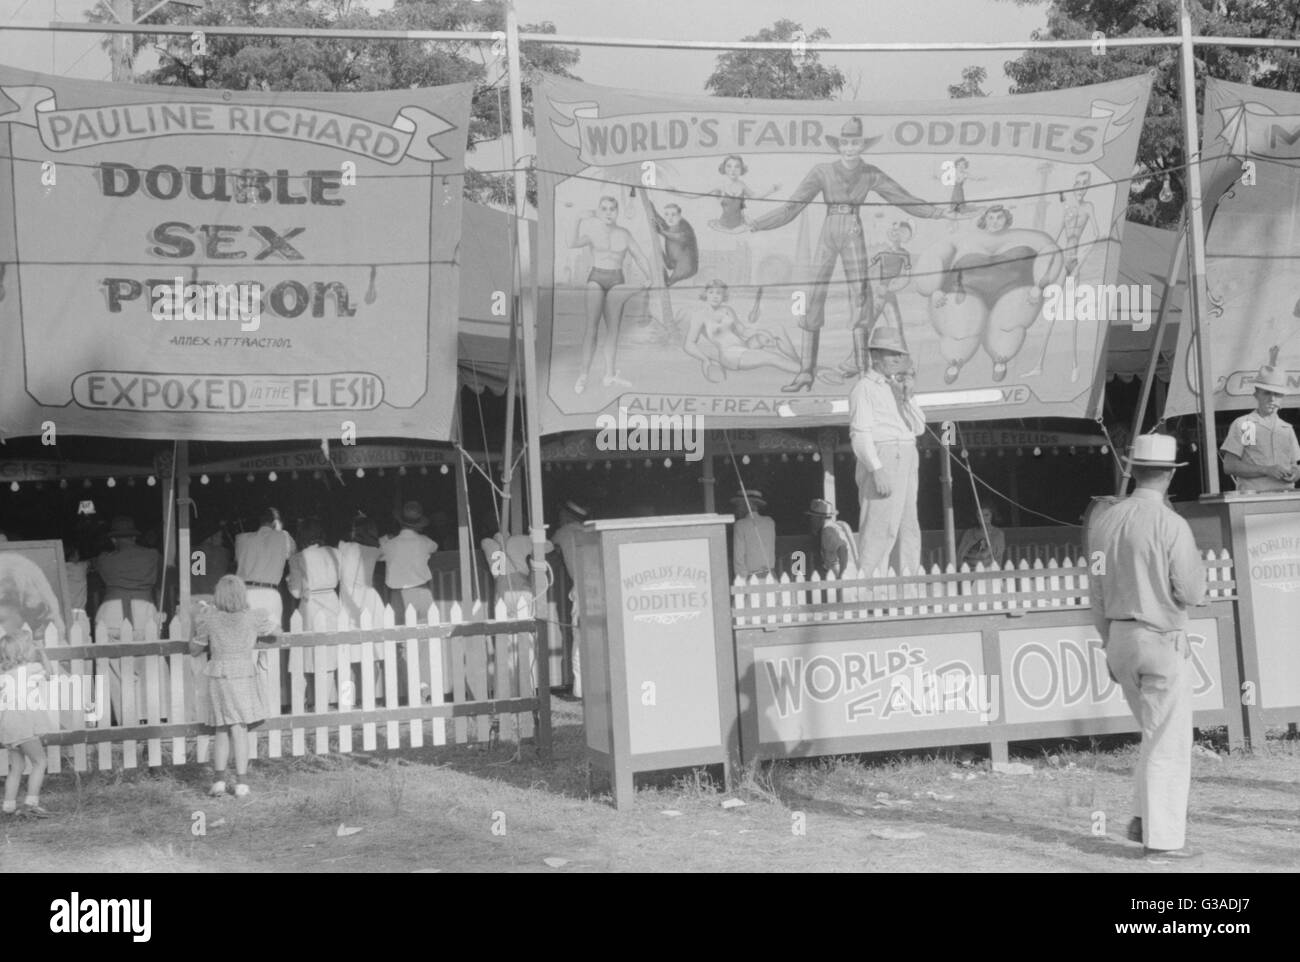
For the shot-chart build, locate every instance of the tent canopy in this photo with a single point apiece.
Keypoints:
(486, 281)
(1144, 260)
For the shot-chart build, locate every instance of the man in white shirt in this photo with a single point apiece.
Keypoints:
(1261, 451)
(572, 517)
(884, 421)
(753, 538)
(260, 560)
(406, 563)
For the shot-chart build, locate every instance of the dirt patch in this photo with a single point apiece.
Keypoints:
(465, 810)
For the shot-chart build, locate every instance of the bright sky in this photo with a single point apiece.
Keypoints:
(915, 76)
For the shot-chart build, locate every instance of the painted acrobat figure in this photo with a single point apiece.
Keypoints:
(844, 185)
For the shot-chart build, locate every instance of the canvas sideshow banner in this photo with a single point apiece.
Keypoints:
(729, 258)
(186, 263)
(1251, 143)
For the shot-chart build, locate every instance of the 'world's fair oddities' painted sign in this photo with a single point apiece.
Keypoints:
(716, 257)
(226, 265)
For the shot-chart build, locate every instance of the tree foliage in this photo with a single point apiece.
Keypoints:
(792, 74)
(971, 78)
(298, 63)
(1162, 136)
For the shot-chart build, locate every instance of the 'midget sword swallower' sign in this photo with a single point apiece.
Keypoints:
(722, 258)
(181, 262)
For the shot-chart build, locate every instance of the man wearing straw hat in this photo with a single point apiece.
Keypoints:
(406, 562)
(884, 421)
(1261, 451)
(1145, 573)
(130, 574)
(753, 539)
(835, 544)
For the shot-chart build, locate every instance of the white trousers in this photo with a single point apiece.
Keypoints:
(111, 614)
(889, 531)
(1154, 672)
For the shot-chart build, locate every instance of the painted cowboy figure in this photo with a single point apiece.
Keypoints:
(844, 185)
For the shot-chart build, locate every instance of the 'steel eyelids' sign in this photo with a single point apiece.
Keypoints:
(208, 264)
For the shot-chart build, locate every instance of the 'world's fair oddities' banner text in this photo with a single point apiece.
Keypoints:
(1252, 146)
(723, 257)
(187, 263)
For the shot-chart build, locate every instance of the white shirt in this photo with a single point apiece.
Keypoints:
(753, 543)
(875, 418)
(406, 559)
(1273, 442)
(262, 555)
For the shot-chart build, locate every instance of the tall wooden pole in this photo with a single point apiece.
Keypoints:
(1148, 380)
(949, 521)
(533, 439)
(1196, 288)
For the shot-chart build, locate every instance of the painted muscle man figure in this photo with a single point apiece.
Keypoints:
(607, 292)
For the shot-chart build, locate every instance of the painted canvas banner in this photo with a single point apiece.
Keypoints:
(203, 264)
(1251, 145)
(729, 259)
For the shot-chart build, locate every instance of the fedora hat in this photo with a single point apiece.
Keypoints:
(1269, 378)
(122, 527)
(751, 495)
(851, 132)
(411, 515)
(574, 508)
(821, 508)
(1155, 451)
(886, 339)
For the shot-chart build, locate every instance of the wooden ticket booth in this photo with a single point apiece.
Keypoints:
(658, 663)
(1262, 531)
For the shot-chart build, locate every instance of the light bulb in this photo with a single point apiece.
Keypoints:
(204, 479)
(744, 459)
(63, 483)
(249, 477)
(111, 482)
(13, 486)
(1105, 449)
(1166, 192)
(445, 470)
(424, 469)
(151, 480)
(1038, 452)
(86, 483)
(816, 456)
(361, 472)
(401, 472)
(273, 477)
(668, 462)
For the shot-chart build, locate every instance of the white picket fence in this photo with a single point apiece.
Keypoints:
(940, 591)
(478, 674)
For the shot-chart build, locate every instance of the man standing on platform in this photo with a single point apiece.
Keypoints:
(1145, 574)
(260, 560)
(884, 421)
(753, 538)
(1261, 451)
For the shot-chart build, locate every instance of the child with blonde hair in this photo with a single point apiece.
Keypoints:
(22, 724)
(229, 629)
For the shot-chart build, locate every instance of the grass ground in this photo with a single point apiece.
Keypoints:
(476, 809)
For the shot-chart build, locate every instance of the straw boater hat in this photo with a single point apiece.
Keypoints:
(122, 527)
(821, 508)
(886, 339)
(411, 515)
(851, 132)
(750, 495)
(1269, 378)
(1155, 451)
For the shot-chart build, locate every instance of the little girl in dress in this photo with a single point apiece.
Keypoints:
(733, 192)
(230, 629)
(22, 724)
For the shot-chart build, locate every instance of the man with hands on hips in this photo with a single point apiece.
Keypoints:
(884, 422)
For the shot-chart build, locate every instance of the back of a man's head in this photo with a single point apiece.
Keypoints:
(1157, 479)
(269, 517)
